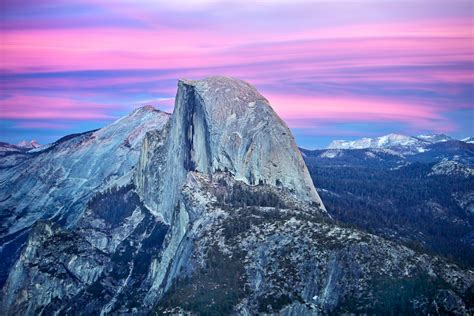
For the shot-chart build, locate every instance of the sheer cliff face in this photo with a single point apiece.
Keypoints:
(222, 124)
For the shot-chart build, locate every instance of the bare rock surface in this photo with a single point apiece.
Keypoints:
(222, 124)
(57, 180)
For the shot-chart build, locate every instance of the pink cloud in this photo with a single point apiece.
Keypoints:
(41, 125)
(39, 107)
(302, 111)
(167, 48)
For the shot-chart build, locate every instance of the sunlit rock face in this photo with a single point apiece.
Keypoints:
(222, 124)
(56, 181)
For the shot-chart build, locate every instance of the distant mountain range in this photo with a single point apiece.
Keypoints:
(21, 146)
(469, 140)
(401, 143)
(11, 155)
(28, 144)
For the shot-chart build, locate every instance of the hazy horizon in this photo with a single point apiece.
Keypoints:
(316, 142)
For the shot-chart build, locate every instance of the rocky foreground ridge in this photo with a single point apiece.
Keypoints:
(216, 214)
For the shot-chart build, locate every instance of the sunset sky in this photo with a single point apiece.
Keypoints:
(330, 69)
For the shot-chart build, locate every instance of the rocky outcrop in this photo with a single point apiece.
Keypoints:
(98, 267)
(451, 168)
(55, 265)
(221, 124)
(28, 144)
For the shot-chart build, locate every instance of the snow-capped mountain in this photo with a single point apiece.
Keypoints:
(28, 144)
(469, 140)
(434, 138)
(21, 147)
(408, 144)
(400, 143)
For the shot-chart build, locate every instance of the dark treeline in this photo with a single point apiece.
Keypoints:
(403, 204)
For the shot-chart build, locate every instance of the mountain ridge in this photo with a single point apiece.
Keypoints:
(402, 143)
(28, 144)
(57, 179)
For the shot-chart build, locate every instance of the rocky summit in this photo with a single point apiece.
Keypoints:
(211, 211)
(221, 125)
